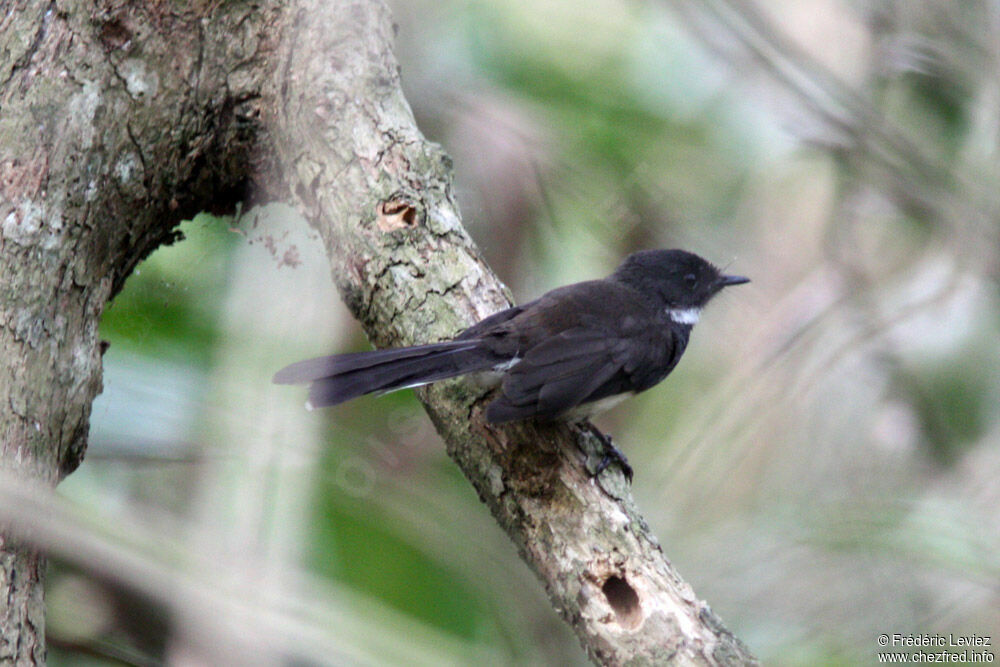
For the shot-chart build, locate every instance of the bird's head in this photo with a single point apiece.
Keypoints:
(682, 280)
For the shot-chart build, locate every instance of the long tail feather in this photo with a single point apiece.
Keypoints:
(342, 377)
(321, 367)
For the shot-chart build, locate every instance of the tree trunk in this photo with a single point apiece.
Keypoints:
(120, 121)
(117, 123)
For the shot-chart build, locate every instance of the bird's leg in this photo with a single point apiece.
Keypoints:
(611, 454)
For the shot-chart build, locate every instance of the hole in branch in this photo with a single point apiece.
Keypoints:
(624, 600)
(396, 213)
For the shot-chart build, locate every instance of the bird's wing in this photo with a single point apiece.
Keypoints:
(559, 374)
(490, 323)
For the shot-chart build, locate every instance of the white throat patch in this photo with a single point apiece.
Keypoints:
(684, 315)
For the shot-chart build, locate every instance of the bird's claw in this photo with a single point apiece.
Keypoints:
(614, 455)
(611, 455)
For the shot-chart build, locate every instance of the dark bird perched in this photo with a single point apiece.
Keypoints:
(569, 354)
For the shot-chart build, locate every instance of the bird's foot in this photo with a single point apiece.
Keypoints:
(611, 455)
(614, 455)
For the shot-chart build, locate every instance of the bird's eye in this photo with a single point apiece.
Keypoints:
(691, 280)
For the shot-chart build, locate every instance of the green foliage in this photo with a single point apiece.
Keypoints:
(169, 307)
(354, 542)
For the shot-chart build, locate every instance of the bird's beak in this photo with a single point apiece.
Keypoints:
(726, 281)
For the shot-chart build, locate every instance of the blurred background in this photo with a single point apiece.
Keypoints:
(822, 467)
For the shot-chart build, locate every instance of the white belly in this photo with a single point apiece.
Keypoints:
(581, 412)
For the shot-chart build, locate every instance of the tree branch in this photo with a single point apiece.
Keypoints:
(121, 120)
(380, 196)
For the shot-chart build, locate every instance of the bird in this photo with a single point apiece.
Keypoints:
(566, 356)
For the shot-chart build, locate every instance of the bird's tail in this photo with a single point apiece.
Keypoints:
(345, 376)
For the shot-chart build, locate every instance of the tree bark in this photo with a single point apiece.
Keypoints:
(121, 120)
(117, 123)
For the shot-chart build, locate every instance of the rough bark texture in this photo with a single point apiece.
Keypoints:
(120, 119)
(380, 196)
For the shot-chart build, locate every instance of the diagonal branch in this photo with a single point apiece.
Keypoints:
(380, 196)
